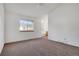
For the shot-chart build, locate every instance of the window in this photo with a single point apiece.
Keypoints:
(26, 25)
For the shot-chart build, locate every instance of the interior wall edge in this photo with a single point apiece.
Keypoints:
(1, 27)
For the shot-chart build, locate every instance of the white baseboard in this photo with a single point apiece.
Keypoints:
(68, 43)
(22, 40)
(1, 48)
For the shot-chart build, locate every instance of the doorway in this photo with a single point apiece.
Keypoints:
(44, 26)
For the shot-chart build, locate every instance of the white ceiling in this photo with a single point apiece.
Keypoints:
(31, 9)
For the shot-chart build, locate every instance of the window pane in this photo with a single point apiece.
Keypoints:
(23, 25)
(30, 25)
(26, 25)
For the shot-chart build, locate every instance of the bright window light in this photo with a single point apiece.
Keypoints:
(26, 25)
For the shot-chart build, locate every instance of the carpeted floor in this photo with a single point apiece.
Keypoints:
(39, 47)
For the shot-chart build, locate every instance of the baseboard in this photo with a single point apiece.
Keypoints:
(22, 40)
(1, 48)
(65, 43)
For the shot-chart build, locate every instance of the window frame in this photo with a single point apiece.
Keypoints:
(26, 25)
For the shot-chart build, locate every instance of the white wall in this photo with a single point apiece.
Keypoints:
(1, 27)
(12, 27)
(63, 24)
(44, 24)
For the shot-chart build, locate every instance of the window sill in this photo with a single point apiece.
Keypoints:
(27, 31)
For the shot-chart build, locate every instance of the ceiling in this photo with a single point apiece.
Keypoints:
(31, 9)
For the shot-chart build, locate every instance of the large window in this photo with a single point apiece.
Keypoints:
(26, 25)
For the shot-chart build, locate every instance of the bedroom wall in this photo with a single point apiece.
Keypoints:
(63, 24)
(12, 27)
(1, 27)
